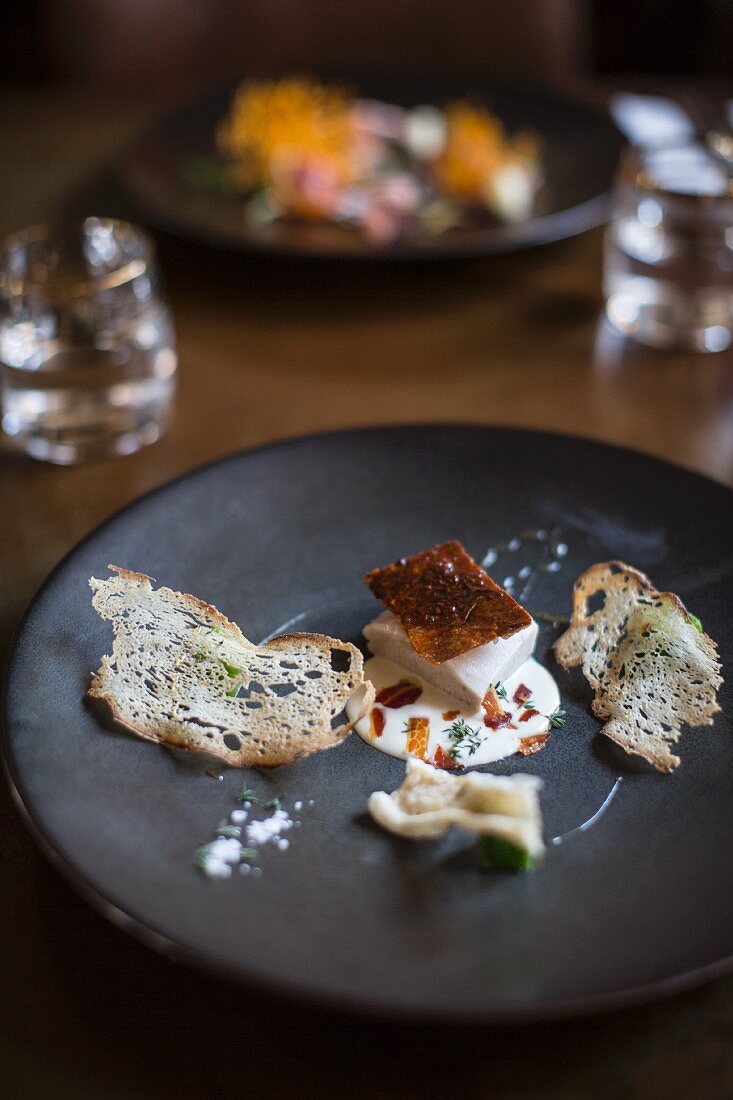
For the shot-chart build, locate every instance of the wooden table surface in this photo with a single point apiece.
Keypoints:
(270, 350)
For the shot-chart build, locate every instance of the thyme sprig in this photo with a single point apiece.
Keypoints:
(464, 737)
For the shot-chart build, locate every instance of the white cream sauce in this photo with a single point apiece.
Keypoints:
(433, 704)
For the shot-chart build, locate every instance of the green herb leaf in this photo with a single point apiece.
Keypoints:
(463, 736)
(229, 831)
(500, 689)
(274, 803)
(557, 718)
(234, 692)
(208, 174)
(248, 855)
(496, 853)
(694, 621)
(231, 670)
(201, 856)
(248, 795)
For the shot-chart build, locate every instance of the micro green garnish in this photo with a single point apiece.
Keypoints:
(694, 621)
(529, 705)
(497, 853)
(247, 855)
(208, 174)
(500, 689)
(229, 831)
(201, 856)
(463, 736)
(231, 670)
(248, 795)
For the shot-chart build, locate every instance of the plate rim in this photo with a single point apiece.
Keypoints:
(250, 977)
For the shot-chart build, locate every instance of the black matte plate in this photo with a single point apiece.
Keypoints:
(638, 904)
(580, 150)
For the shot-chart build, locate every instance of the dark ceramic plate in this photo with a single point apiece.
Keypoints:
(637, 904)
(580, 150)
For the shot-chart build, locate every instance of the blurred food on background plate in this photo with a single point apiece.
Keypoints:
(297, 149)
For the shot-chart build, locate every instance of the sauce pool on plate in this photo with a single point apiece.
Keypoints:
(449, 734)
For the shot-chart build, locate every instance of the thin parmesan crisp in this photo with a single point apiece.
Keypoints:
(182, 674)
(646, 657)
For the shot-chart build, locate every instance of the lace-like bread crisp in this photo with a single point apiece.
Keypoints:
(646, 657)
(182, 674)
(447, 604)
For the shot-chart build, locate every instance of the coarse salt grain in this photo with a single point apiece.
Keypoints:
(238, 816)
(261, 832)
(298, 806)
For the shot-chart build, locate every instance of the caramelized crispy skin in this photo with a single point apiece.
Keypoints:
(446, 603)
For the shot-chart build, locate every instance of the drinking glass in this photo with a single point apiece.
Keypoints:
(668, 266)
(87, 347)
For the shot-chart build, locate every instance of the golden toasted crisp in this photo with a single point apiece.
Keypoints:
(182, 674)
(646, 657)
(446, 603)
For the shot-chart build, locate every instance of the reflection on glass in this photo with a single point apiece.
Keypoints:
(668, 271)
(87, 348)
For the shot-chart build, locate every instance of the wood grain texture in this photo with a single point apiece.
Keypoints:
(267, 351)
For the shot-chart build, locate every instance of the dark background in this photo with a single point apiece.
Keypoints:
(133, 48)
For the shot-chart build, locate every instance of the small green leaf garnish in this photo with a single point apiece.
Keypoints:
(463, 736)
(247, 855)
(208, 174)
(500, 689)
(201, 856)
(229, 831)
(694, 621)
(557, 718)
(496, 853)
(231, 670)
(248, 795)
(234, 692)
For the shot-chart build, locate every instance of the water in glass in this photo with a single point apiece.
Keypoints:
(87, 347)
(668, 269)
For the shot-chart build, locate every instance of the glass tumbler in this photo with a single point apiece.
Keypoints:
(668, 264)
(87, 347)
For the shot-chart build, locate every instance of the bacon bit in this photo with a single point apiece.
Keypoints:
(522, 695)
(528, 714)
(449, 715)
(530, 745)
(442, 760)
(399, 695)
(418, 730)
(495, 718)
(376, 722)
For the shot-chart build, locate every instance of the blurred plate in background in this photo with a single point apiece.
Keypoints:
(580, 147)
